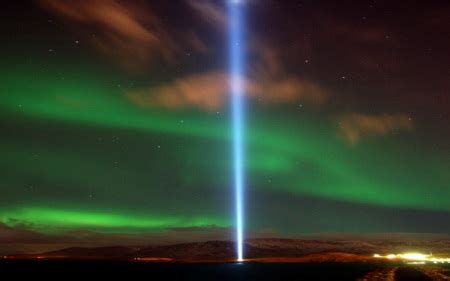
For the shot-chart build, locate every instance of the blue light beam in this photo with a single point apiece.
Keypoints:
(237, 104)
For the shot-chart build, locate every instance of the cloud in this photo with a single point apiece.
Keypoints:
(133, 34)
(210, 12)
(271, 83)
(267, 82)
(292, 90)
(125, 30)
(206, 91)
(209, 91)
(353, 126)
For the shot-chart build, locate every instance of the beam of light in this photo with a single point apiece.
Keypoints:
(236, 69)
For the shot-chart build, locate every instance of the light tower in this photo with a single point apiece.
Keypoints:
(235, 13)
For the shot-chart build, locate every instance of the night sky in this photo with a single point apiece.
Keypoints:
(115, 119)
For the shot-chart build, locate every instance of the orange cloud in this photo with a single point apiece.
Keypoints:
(205, 91)
(125, 30)
(290, 90)
(209, 91)
(210, 12)
(266, 81)
(353, 126)
(275, 85)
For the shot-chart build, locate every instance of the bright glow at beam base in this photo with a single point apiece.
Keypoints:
(235, 48)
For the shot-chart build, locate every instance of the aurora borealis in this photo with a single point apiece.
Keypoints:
(120, 124)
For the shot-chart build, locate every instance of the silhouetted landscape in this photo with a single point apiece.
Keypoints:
(343, 258)
(340, 247)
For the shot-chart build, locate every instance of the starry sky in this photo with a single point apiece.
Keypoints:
(115, 120)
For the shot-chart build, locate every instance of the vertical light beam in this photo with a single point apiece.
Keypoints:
(237, 100)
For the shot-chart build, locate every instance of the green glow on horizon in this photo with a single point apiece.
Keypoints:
(45, 218)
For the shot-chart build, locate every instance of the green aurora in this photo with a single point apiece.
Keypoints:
(80, 155)
(302, 157)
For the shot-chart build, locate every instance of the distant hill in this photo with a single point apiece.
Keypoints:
(256, 249)
(218, 250)
(116, 252)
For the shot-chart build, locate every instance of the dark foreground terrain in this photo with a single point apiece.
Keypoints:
(65, 269)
